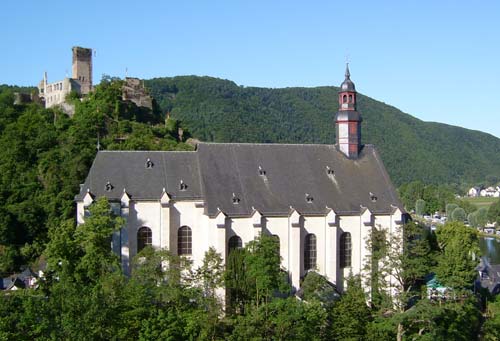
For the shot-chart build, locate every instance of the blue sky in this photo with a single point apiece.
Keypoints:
(436, 60)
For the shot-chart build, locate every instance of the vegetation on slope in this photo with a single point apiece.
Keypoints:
(221, 111)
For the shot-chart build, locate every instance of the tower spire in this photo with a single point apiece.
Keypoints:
(348, 120)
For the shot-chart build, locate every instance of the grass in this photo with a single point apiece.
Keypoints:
(481, 201)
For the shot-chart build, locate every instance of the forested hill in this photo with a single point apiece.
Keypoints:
(220, 110)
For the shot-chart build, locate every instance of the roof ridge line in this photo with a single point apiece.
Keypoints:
(267, 144)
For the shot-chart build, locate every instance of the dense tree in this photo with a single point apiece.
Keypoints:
(435, 197)
(494, 212)
(283, 319)
(420, 207)
(450, 208)
(458, 214)
(351, 314)
(491, 327)
(481, 216)
(459, 256)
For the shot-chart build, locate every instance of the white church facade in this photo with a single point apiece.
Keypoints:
(320, 201)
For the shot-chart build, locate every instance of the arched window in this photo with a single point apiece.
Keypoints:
(310, 252)
(184, 241)
(234, 243)
(345, 250)
(144, 238)
(344, 99)
(350, 98)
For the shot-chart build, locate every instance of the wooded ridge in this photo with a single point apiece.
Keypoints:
(221, 111)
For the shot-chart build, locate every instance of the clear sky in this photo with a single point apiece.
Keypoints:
(436, 60)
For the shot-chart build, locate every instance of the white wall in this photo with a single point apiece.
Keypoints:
(206, 232)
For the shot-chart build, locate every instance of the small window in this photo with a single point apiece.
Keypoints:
(149, 163)
(329, 171)
(262, 172)
(183, 186)
(184, 241)
(344, 99)
(109, 187)
(309, 198)
(144, 238)
(350, 98)
(234, 243)
(345, 250)
(236, 200)
(373, 197)
(310, 252)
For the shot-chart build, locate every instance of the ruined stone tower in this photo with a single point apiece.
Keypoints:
(82, 68)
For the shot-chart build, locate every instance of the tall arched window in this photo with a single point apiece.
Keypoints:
(144, 238)
(350, 98)
(184, 241)
(310, 252)
(345, 250)
(344, 99)
(234, 243)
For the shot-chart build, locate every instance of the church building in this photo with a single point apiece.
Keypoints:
(319, 201)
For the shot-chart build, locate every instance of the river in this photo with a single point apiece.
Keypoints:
(490, 247)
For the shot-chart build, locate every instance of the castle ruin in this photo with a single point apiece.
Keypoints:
(81, 81)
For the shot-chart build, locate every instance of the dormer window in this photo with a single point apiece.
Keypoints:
(329, 171)
(373, 198)
(108, 187)
(183, 186)
(309, 198)
(149, 163)
(262, 172)
(236, 200)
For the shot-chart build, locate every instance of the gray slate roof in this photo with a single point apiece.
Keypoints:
(290, 175)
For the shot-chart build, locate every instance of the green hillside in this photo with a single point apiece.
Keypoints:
(220, 110)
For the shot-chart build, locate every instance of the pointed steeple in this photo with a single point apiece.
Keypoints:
(347, 84)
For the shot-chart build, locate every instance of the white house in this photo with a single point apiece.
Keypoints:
(321, 201)
(474, 192)
(490, 192)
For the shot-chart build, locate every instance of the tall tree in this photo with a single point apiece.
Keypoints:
(459, 256)
(351, 314)
(420, 207)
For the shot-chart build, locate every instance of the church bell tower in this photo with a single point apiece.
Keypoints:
(348, 120)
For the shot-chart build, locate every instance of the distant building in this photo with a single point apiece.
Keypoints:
(81, 81)
(490, 192)
(474, 191)
(25, 279)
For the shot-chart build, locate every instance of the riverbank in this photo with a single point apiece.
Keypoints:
(489, 235)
